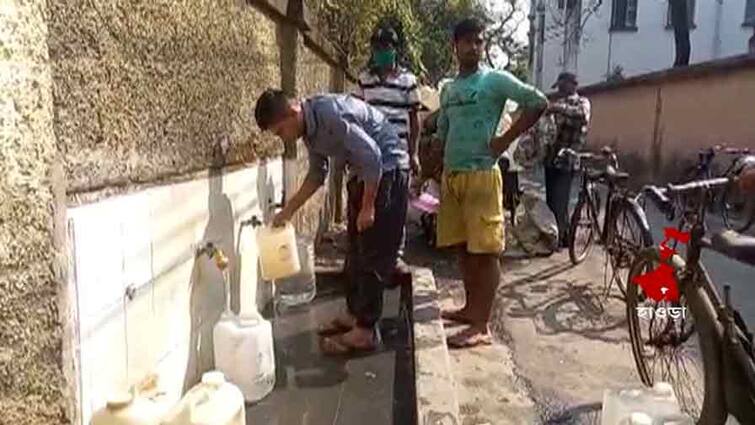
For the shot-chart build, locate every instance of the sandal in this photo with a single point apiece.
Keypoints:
(336, 326)
(469, 338)
(337, 345)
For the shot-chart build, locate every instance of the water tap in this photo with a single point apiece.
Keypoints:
(215, 254)
(253, 221)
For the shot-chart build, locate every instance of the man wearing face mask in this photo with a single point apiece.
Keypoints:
(393, 90)
(343, 128)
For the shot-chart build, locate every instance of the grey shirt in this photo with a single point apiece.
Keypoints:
(346, 128)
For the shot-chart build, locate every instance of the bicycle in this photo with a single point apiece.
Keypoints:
(670, 339)
(737, 210)
(625, 228)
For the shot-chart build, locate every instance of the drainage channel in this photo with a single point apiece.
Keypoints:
(313, 389)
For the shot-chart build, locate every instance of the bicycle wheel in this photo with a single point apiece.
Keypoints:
(737, 209)
(664, 349)
(581, 232)
(626, 235)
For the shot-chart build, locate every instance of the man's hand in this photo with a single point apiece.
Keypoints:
(365, 219)
(281, 218)
(415, 166)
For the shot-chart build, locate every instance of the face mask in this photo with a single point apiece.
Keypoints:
(384, 58)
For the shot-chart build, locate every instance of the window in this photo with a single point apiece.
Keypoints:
(690, 12)
(624, 15)
(749, 14)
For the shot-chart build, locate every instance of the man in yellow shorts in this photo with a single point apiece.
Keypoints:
(471, 207)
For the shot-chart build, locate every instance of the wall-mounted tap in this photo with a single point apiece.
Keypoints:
(253, 221)
(215, 254)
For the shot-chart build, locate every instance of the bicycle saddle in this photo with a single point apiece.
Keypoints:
(734, 245)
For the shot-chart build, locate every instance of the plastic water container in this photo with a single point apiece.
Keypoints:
(133, 408)
(214, 401)
(279, 257)
(652, 406)
(299, 288)
(244, 353)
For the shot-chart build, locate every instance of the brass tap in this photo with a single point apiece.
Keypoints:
(215, 254)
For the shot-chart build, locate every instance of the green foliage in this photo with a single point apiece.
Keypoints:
(424, 27)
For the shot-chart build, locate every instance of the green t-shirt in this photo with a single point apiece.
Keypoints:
(470, 110)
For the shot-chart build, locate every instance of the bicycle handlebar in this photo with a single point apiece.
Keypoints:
(662, 196)
(605, 153)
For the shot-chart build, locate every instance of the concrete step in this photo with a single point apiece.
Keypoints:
(436, 389)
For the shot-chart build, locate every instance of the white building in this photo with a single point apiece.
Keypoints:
(634, 36)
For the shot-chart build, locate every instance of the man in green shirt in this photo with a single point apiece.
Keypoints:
(471, 208)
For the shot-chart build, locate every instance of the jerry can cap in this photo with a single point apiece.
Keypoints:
(214, 378)
(119, 400)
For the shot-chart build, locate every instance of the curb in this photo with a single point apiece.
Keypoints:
(437, 400)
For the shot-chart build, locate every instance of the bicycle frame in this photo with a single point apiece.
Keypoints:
(729, 373)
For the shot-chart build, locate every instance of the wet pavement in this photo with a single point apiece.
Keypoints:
(313, 389)
(562, 350)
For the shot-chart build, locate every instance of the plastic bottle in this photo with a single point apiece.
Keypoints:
(279, 256)
(656, 403)
(214, 401)
(138, 406)
(299, 288)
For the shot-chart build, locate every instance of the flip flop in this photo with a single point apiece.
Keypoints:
(337, 346)
(336, 326)
(469, 338)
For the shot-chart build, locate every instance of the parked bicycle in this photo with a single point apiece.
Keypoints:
(736, 209)
(699, 343)
(624, 230)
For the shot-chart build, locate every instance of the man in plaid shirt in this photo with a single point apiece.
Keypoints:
(571, 114)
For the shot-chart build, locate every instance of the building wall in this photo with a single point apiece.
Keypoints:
(32, 310)
(659, 127)
(148, 89)
(651, 47)
(127, 142)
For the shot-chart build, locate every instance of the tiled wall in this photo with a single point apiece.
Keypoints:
(146, 303)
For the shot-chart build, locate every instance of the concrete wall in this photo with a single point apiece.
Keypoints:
(659, 121)
(718, 33)
(33, 332)
(148, 89)
(127, 140)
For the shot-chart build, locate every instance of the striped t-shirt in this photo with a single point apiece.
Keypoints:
(394, 96)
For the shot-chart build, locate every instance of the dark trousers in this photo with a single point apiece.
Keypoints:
(557, 192)
(372, 254)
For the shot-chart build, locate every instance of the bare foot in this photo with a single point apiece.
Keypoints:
(338, 325)
(461, 316)
(357, 340)
(470, 337)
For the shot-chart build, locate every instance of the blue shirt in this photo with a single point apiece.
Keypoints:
(344, 127)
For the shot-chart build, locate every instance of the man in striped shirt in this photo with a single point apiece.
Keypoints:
(394, 91)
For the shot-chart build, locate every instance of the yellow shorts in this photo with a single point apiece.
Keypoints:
(471, 211)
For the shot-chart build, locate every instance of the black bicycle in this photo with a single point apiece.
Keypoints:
(625, 228)
(698, 343)
(737, 210)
